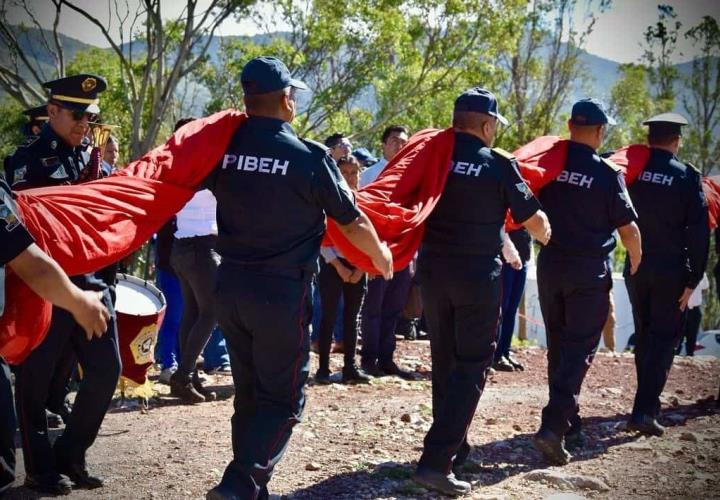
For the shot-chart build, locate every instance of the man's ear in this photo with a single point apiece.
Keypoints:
(52, 110)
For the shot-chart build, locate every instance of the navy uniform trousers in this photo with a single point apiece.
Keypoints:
(654, 291)
(7, 430)
(264, 315)
(100, 362)
(461, 297)
(574, 300)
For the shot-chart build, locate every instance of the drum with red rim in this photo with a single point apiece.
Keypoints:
(140, 309)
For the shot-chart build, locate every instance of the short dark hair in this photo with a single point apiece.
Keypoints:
(334, 139)
(468, 120)
(264, 104)
(661, 138)
(183, 121)
(392, 129)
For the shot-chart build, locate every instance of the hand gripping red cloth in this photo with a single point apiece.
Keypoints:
(401, 198)
(89, 226)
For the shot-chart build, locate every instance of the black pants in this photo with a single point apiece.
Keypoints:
(264, 316)
(331, 288)
(574, 300)
(100, 362)
(654, 291)
(195, 263)
(693, 318)
(461, 297)
(7, 430)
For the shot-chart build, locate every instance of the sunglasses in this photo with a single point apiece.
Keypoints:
(77, 114)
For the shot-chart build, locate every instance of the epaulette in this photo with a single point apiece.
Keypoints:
(692, 166)
(315, 146)
(611, 164)
(502, 153)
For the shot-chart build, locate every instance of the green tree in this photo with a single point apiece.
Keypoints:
(159, 55)
(660, 44)
(542, 67)
(375, 62)
(702, 144)
(11, 134)
(631, 103)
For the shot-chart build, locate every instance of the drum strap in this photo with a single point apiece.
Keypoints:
(2, 290)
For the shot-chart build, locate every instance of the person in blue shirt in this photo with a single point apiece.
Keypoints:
(585, 204)
(673, 220)
(273, 193)
(458, 271)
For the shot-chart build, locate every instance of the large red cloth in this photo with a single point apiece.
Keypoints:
(402, 197)
(89, 226)
(633, 159)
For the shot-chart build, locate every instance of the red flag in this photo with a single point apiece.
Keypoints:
(89, 226)
(711, 188)
(402, 198)
(632, 159)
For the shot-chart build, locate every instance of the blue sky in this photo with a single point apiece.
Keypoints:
(617, 34)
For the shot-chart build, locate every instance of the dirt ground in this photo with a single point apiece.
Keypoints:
(362, 441)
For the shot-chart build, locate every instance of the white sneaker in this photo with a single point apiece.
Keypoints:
(166, 374)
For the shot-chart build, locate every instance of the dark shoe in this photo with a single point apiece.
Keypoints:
(447, 484)
(393, 369)
(322, 377)
(646, 425)
(516, 364)
(198, 383)
(222, 492)
(184, 389)
(80, 476)
(551, 446)
(54, 421)
(51, 483)
(352, 375)
(372, 370)
(422, 335)
(575, 440)
(503, 365)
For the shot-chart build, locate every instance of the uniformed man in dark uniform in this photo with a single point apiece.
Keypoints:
(44, 276)
(37, 117)
(672, 212)
(273, 191)
(55, 157)
(585, 203)
(459, 274)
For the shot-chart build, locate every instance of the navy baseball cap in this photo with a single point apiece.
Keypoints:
(267, 74)
(364, 156)
(479, 100)
(590, 112)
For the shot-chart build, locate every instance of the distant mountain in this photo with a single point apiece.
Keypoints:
(33, 43)
(603, 72)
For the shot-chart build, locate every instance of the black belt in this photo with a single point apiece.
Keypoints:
(296, 273)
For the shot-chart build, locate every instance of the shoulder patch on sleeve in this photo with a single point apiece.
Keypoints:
(502, 153)
(611, 164)
(315, 146)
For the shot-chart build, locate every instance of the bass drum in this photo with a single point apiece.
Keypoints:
(140, 309)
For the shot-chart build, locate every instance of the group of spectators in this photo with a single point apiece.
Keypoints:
(350, 308)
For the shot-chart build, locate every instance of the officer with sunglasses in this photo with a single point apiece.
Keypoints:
(57, 157)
